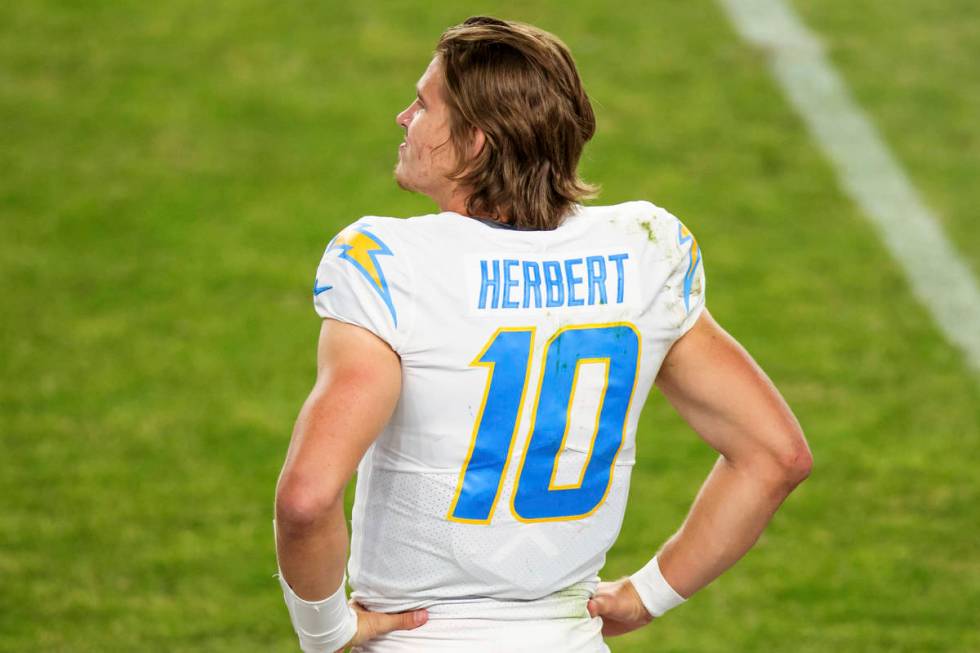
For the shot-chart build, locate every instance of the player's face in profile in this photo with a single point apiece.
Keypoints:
(426, 156)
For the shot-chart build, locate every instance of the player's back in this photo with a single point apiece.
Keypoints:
(501, 479)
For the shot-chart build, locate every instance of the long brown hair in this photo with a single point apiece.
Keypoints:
(518, 85)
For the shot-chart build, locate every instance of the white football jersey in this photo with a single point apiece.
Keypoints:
(501, 479)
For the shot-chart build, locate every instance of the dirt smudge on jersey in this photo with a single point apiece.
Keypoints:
(647, 227)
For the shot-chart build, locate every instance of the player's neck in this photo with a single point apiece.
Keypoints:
(453, 199)
(456, 202)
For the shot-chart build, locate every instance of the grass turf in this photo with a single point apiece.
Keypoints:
(172, 173)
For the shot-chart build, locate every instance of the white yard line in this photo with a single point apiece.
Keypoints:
(866, 169)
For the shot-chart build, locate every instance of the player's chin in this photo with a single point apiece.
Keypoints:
(402, 179)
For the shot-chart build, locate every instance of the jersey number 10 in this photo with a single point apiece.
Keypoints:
(536, 496)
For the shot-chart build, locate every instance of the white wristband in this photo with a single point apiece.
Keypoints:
(654, 590)
(323, 626)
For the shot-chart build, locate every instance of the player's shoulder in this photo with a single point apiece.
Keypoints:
(387, 231)
(365, 277)
(640, 219)
(391, 248)
(367, 227)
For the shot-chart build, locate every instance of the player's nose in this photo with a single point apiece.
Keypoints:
(403, 118)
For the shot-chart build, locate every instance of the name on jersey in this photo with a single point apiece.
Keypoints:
(541, 283)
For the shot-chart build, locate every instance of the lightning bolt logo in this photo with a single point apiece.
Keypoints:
(684, 236)
(362, 248)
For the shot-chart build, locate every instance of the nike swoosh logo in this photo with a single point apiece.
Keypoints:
(319, 289)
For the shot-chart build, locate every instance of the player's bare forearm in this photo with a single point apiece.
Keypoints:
(357, 387)
(733, 507)
(721, 392)
(312, 555)
(311, 527)
(730, 512)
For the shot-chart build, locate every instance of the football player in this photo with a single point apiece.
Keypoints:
(483, 368)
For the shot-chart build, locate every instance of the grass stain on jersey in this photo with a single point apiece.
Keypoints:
(571, 604)
(647, 227)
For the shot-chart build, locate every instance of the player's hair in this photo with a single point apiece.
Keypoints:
(518, 85)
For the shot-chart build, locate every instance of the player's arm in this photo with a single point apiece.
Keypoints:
(357, 387)
(729, 401)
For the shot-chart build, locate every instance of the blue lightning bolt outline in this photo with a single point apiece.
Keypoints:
(692, 266)
(380, 250)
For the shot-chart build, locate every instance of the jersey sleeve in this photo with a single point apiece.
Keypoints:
(678, 296)
(363, 280)
(686, 282)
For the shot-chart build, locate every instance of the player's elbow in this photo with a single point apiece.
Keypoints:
(796, 462)
(302, 506)
(783, 464)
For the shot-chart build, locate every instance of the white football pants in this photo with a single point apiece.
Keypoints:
(574, 635)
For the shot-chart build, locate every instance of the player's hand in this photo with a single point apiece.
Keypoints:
(620, 607)
(375, 624)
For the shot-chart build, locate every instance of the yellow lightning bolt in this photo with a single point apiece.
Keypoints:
(361, 249)
(685, 234)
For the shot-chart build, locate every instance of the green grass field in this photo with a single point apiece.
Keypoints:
(169, 176)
